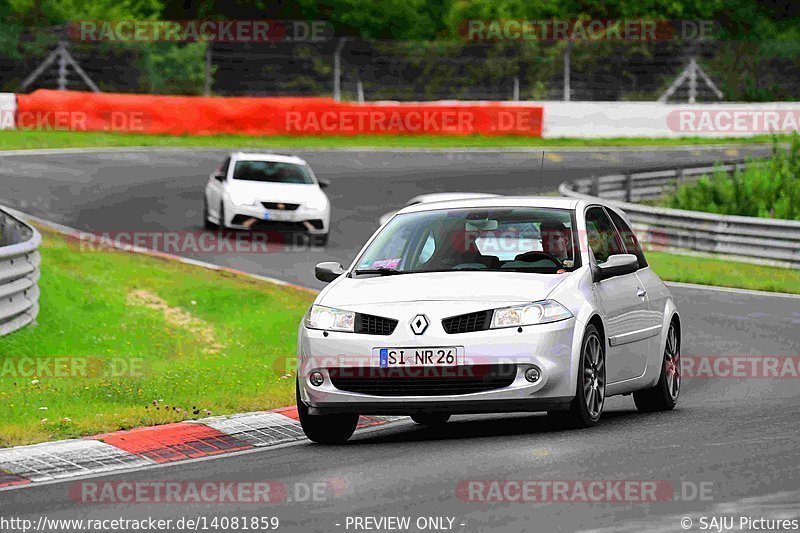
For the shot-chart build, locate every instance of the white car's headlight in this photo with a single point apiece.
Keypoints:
(320, 317)
(529, 314)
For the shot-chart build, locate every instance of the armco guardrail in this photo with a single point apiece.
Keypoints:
(761, 240)
(19, 273)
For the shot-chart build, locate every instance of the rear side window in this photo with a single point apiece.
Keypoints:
(628, 238)
(602, 236)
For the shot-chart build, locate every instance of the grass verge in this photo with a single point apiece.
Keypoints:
(141, 341)
(21, 139)
(723, 273)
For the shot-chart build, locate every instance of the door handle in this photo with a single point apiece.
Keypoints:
(641, 293)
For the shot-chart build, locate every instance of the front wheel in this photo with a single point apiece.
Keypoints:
(664, 395)
(430, 419)
(587, 406)
(325, 429)
(207, 224)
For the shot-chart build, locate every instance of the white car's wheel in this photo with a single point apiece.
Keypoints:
(664, 395)
(325, 429)
(222, 224)
(587, 406)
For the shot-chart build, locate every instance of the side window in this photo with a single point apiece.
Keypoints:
(603, 238)
(628, 238)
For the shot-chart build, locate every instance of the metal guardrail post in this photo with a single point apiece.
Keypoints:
(628, 187)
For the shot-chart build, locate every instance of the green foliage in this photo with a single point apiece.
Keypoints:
(768, 189)
(172, 68)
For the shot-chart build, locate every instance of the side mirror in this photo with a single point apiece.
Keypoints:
(328, 271)
(323, 183)
(219, 177)
(617, 265)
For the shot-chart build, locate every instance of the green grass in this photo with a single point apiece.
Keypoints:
(86, 315)
(57, 139)
(724, 273)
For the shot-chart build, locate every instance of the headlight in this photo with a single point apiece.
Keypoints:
(320, 317)
(529, 314)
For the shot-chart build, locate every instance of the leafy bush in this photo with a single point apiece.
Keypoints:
(768, 189)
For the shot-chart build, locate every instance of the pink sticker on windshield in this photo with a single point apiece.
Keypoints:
(386, 263)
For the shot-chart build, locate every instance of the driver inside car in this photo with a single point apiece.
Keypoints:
(556, 240)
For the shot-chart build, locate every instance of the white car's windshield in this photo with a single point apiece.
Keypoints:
(271, 171)
(527, 239)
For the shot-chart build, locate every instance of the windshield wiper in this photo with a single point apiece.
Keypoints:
(379, 271)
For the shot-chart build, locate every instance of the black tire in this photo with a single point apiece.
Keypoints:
(664, 395)
(579, 415)
(430, 419)
(325, 429)
(319, 240)
(207, 224)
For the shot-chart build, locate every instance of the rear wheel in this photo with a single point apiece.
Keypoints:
(587, 406)
(664, 395)
(325, 429)
(430, 419)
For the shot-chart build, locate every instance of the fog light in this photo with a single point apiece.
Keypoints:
(533, 374)
(316, 379)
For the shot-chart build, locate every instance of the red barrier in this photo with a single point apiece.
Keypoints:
(195, 115)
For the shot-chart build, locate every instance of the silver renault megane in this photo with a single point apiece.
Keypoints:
(488, 305)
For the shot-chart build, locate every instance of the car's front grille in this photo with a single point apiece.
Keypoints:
(470, 322)
(280, 206)
(374, 325)
(423, 381)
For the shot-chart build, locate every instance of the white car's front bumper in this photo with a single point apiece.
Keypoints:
(549, 347)
(312, 221)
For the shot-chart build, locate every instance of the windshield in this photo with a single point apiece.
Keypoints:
(271, 171)
(524, 239)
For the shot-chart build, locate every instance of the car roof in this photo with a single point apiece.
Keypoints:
(442, 196)
(555, 202)
(275, 158)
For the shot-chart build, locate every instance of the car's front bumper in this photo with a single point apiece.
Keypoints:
(304, 219)
(549, 347)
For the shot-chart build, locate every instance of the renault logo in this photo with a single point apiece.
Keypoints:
(419, 324)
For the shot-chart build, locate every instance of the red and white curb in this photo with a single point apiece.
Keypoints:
(149, 446)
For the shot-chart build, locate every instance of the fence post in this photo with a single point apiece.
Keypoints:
(595, 185)
(515, 95)
(207, 84)
(567, 57)
(62, 66)
(360, 91)
(628, 187)
(337, 70)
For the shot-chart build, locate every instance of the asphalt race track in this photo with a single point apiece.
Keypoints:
(735, 439)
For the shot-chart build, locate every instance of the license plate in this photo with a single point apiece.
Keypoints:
(278, 215)
(423, 356)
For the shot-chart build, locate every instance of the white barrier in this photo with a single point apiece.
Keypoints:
(8, 111)
(653, 119)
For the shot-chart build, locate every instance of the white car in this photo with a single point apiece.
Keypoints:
(437, 197)
(267, 191)
(488, 305)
